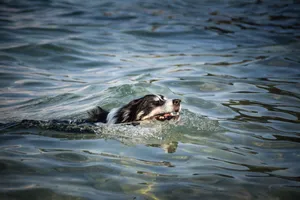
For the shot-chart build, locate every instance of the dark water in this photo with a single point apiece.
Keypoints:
(234, 64)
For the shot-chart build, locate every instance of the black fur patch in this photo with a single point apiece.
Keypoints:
(97, 115)
(134, 111)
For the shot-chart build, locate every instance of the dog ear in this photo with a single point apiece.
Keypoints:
(133, 103)
(136, 101)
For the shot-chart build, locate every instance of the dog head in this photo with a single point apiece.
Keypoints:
(148, 107)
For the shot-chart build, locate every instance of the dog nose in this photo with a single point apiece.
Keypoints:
(176, 102)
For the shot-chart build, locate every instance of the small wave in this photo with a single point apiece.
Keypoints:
(146, 132)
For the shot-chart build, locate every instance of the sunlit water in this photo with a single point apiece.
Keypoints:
(234, 64)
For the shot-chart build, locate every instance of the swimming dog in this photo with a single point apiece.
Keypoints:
(149, 107)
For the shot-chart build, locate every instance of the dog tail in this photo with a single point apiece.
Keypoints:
(97, 115)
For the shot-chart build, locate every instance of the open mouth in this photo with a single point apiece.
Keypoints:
(166, 116)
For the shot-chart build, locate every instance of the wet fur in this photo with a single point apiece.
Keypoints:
(136, 110)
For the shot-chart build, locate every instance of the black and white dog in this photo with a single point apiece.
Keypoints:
(146, 108)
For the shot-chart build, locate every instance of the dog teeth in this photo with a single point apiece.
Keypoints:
(174, 113)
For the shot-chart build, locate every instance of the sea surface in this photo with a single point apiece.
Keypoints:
(234, 64)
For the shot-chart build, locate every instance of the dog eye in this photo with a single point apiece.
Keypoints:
(158, 103)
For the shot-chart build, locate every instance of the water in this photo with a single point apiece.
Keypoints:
(234, 64)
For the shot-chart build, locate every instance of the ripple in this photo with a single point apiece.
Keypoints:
(235, 65)
(70, 157)
(156, 34)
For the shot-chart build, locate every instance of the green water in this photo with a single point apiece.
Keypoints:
(234, 64)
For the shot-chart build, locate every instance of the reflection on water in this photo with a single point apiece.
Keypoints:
(234, 64)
